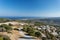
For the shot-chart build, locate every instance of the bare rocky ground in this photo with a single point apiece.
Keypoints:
(14, 35)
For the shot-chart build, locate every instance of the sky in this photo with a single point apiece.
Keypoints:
(30, 8)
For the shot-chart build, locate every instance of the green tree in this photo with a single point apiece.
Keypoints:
(1, 38)
(25, 28)
(38, 34)
(7, 27)
(4, 37)
(39, 23)
(30, 30)
(10, 24)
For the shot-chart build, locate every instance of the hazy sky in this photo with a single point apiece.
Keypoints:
(37, 8)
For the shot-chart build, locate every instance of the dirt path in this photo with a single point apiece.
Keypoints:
(13, 36)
